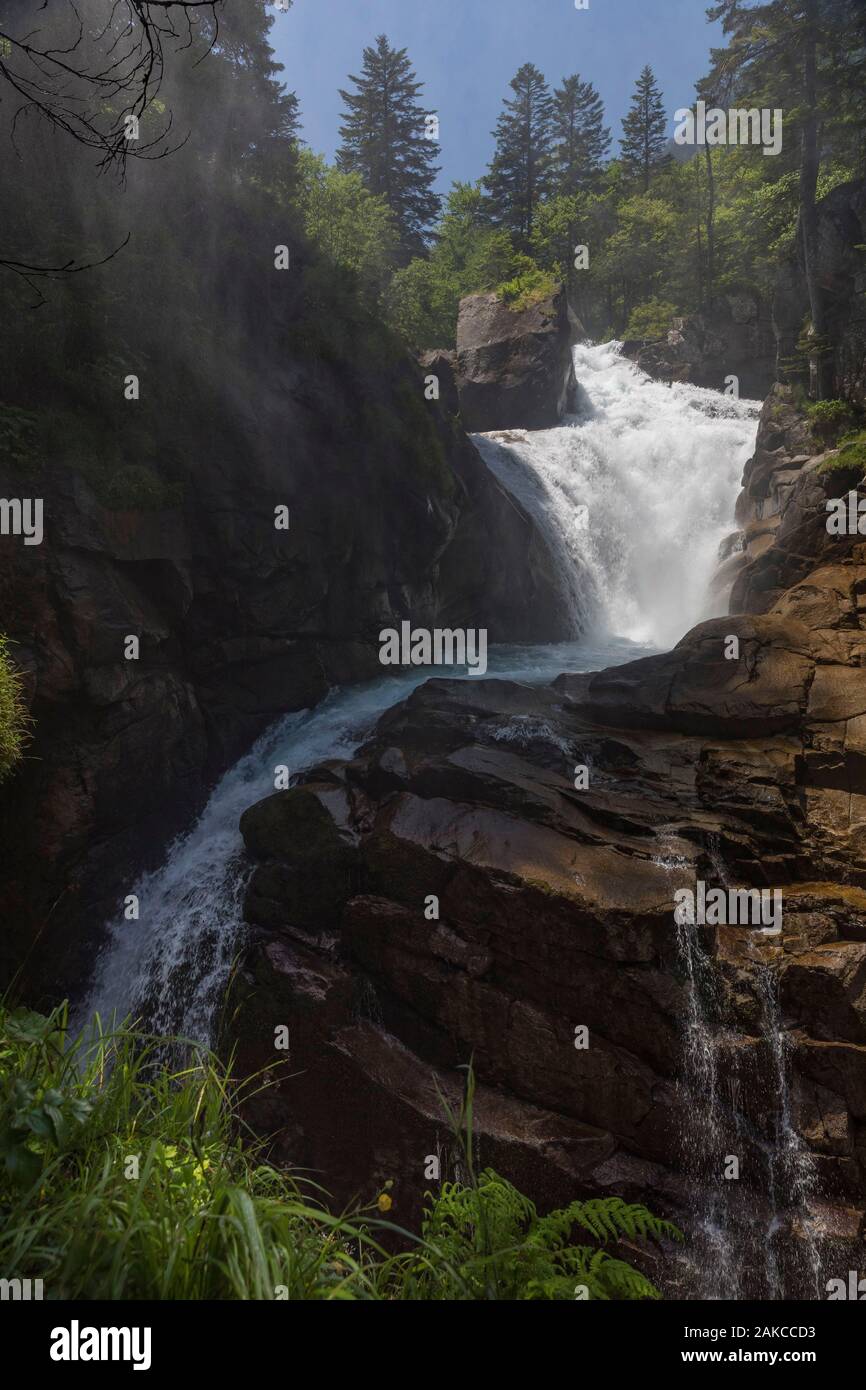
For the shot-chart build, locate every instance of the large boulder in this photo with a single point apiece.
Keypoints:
(514, 365)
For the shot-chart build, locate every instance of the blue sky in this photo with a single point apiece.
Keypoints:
(467, 51)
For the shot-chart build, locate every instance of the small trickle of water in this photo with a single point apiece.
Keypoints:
(741, 1231)
(792, 1180)
(706, 1135)
(713, 1268)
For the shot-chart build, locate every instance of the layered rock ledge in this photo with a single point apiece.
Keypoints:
(554, 907)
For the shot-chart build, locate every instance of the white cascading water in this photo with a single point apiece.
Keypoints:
(656, 467)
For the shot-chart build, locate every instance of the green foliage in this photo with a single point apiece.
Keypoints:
(529, 286)
(125, 1176)
(639, 251)
(501, 1248)
(683, 231)
(829, 420)
(851, 457)
(492, 1239)
(579, 137)
(650, 320)
(644, 142)
(519, 174)
(14, 719)
(203, 1218)
(469, 255)
(351, 226)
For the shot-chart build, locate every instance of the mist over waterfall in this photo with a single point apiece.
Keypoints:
(657, 470)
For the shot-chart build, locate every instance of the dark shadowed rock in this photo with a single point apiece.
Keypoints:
(442, 363)
(392, 511)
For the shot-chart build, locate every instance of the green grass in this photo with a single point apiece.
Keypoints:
(850, 458)
(530, 286)
(14, 719)
(124, 1177)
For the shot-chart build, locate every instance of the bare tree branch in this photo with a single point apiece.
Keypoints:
(96, 84)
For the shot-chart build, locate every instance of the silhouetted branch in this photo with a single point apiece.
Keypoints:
(97, 94)
(96, 85)
(29, 272)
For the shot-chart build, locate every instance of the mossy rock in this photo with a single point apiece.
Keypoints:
(849, 461)
(309, 869)
(291, 825)
(831, 419)
(403, 871)
(526, 290)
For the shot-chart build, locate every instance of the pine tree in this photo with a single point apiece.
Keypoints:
(385, 139)
(644, 143)
(519, 173)
(580, 138)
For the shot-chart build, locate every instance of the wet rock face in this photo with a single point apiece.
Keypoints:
(390, 514)
(514, 367)
(495, 905)
(782, 511)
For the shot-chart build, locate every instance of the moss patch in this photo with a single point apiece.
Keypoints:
(830, 420)
(528, 287)
(851, 458)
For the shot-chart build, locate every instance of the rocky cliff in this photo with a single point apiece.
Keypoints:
(238, 619)
(456, 894)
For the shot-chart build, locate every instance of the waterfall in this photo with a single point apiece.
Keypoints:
(169, 968)
(658, 469)
(633, 495)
